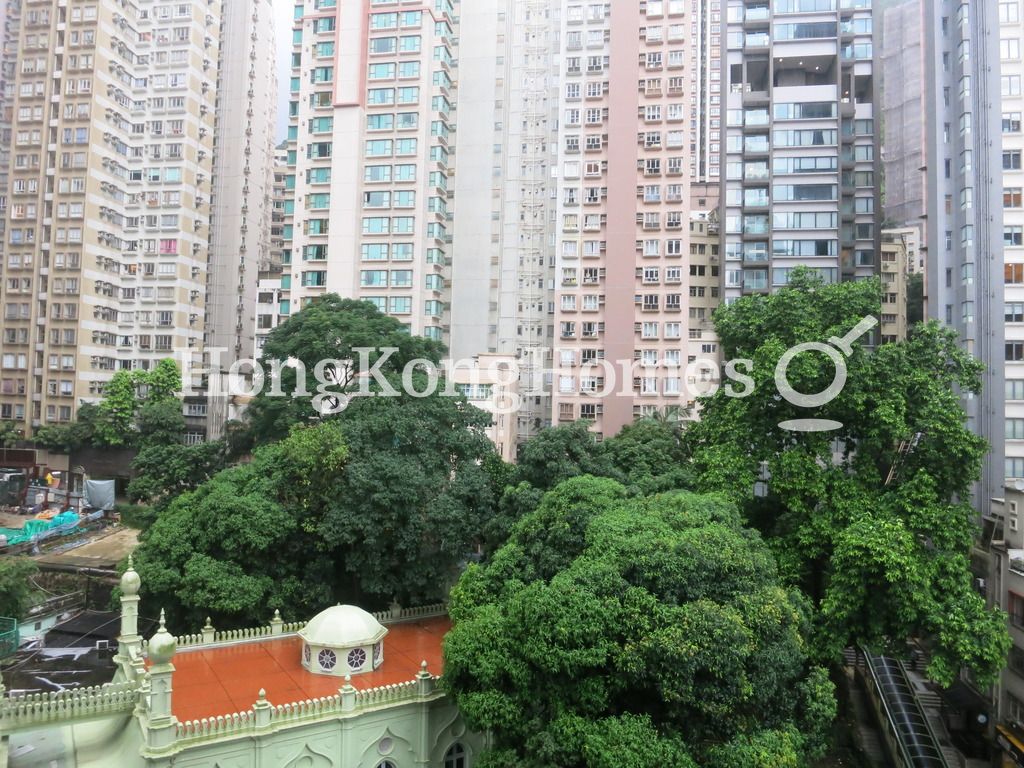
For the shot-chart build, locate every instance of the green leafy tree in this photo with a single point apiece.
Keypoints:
(10, 434)
(16, 588)
(116, 423)
(163, 471)
(558, 453)
(386, 502)
(871, 521)
(328, 334)
(649, 455)
(415, 488)
(613, 631)
(237, 547)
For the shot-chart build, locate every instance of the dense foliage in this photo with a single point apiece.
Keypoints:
(877, 537)
(613, 631)
(381, 504)
(325, 338)
(16, 587)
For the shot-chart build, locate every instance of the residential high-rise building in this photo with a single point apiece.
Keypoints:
(706, 90)
(243, 178)
(622, 227)
(10, 18)
(941, 153)
(109, 188)
(1011, 30)
(503, 255)
(894, 271)
(703, 358)
(801, 168)
(268, 290)
(372, 95)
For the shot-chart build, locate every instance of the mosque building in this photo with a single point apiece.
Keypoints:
(348, 689)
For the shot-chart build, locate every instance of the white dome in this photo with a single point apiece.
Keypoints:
(343, 626)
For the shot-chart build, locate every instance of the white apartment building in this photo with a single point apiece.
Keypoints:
(622, 226)
(370, 125)
(243, 195)
(503, 254)
(706, 29)
(109, 193)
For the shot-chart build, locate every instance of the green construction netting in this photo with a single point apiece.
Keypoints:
(33, 528)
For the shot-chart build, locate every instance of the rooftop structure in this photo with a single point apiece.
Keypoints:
(245, 697)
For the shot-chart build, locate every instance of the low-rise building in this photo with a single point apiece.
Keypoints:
(347, 688)
(491, 383)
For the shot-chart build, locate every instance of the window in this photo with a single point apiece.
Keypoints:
(1014, 429)
(1015, 389)
(327, 659)
(455, 757)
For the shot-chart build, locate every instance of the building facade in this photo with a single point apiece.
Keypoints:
(622, 291)
(706, 26)
(941, 154)
(801, 162)
(1010, 17)
(109, 190)
(503, 254)
(345, 689)
(369, 145)
(895, 257)
(243, 179)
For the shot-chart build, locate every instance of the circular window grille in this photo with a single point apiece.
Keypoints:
(386, 745)
(327, 659)
(378, 649)
(356, 658)
(306, 654)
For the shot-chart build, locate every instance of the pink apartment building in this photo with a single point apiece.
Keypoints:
(622, 229)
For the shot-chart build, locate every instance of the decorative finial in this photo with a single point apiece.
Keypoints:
(163, 621)
(277, 615)
(423, 666)
(131, 562)
(348, 679)
(263, 694)
(208, 625)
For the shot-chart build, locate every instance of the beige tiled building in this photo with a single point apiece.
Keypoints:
(897, 253)
(622, 288)
(109, 197)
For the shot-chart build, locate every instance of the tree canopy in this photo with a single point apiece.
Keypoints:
(383, 503)
(16, 588)
(871, 520)
(612, 631)
(326, 336)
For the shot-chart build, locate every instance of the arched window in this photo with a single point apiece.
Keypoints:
(455, 757)
(385, 764)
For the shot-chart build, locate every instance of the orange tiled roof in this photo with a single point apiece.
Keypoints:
(227, 679)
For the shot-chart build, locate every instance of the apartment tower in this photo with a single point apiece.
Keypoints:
(243, 196)
(941, 151)
(622, 221)
(801, 176)
(372, 95)
(109, 190)
(1011, 31)
(503, 253)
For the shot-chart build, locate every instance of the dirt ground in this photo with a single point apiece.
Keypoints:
(102, 550)
(7, 520)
